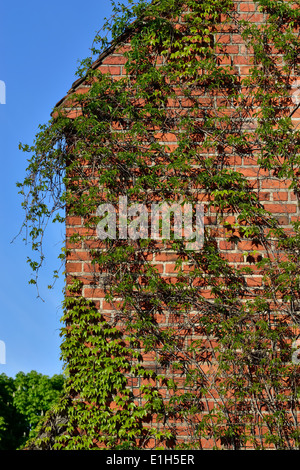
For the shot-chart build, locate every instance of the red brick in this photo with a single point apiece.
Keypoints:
(275, 183)
(225, 245)
(247, 245)
(79, 255)
(114, 60)
(233, 257)
(112, 69)
(283, 196)
(91, 293)
(281, 208)
(166, 257)
(247, 6)
(73, 267)
(73, 220)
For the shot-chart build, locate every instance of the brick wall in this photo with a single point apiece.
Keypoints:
(273, 194)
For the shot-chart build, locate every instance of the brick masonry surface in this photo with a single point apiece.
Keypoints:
(273, 194)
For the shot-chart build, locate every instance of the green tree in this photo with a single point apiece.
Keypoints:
(34, 395)
(24, 401)
(13, 426)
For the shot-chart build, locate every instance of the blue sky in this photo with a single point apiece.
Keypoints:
(41, 44)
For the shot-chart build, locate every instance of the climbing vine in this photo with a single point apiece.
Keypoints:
(173, 128)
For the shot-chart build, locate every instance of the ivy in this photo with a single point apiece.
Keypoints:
(213, 336)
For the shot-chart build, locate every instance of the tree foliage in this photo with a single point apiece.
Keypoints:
(24, 400)
(224, 340)
(12, 423)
